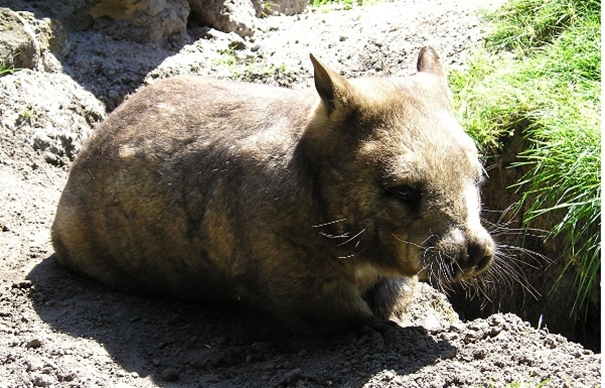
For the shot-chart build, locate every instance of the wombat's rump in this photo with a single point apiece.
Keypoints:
(319, 206)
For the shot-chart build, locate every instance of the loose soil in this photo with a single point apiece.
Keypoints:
(60, 330)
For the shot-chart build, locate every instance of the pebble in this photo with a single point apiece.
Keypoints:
(262, 347)
(51, 158)
(34, 344)
(268, 366)
(33, 364)
(42, 380)
(291, 377)
(170, 375)
(23, 284)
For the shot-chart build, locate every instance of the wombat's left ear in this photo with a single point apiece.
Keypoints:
(428, 62)
(331, 86)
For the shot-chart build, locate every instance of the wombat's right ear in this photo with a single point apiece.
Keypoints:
(428, 62)
(331, 86)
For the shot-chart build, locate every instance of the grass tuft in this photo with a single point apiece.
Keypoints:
(525, 24)
(548, 83)
(6, 69)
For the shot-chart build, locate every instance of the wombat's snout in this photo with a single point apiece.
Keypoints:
(460, 255)
(480, 252)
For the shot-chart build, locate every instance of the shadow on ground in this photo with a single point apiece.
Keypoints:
(108, 68)
(213, 345)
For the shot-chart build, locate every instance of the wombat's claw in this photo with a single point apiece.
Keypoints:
(379, 326)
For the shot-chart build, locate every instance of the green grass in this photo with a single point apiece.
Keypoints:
(7, 66)
(28, 115)
(525, 24)
(6, 69)
(519, 384)
(227, 57)
(347, 4)
(544, 78)
(245, 69)
(253, 73)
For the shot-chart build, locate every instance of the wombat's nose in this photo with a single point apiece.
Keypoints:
(480, 253)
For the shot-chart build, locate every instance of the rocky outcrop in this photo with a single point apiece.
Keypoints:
(241, 16)
(30, 43)
(286, 7)
(156, 20)
(141, 20)
(74, 15)
(159, 21)
(237, 16)
(45, 115)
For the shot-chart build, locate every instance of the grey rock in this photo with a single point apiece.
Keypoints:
(239, 16)
(141, 21)
(51, 113)
(73, 14)
(30, 43)
(286, 7)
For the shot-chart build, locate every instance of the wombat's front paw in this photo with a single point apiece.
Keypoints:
(380, 326)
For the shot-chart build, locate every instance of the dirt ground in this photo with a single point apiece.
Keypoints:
(60, 330)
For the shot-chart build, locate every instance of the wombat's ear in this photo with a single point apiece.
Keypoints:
(428, 62)
(330, 85)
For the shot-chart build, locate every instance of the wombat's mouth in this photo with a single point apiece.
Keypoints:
(445, 266)
(464, 272)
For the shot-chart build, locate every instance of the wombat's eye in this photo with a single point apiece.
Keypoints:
(410, 196)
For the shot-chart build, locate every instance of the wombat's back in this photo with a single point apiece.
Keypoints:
(149, 204)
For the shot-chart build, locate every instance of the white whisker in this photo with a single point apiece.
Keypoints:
(344, 235)
(352, 238)
(328, 223)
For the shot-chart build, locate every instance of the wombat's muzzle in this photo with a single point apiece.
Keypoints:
(478, 257)
(459, 255)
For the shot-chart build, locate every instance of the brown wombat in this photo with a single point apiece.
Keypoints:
(320, 206)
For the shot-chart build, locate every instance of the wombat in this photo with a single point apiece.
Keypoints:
(320, 206)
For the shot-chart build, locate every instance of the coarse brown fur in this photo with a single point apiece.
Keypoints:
(321, 206)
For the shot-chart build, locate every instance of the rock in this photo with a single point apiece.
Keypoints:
(262, 347)
(170, 375)
(239, 16)
(286, 7)
(429, 309)
(74, 15)
(141, 20)
(147, 21)
(33, 363)
(291, 377)
(51, 113)
(23, 284)
(17, 43)
(52, 158)
(31, 43)
(42, 380)
(33, 344)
